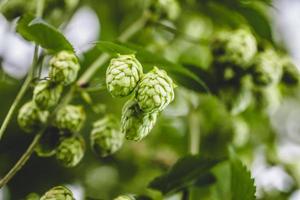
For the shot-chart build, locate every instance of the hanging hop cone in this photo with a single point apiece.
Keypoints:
(125, 197)
(165, 9)
(266, 68)
(70, 118)
(234, 47)
(123, 75)
(31, 118)
(290, 74)
(58, 193)
(155, 91)
(70, 151)
(46, 94)
(136, 124)
(64, 67)
(106, 137)
(32, 196)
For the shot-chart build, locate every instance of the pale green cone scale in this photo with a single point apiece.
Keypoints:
(123, 75)
(64, 67)
(58, 193)
(136, 124)
(155, 91)
(106, 137)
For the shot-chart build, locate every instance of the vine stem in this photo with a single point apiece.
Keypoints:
(87, 75)
(28, 79)
(21, 161)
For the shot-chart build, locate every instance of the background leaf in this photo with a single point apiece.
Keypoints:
(185, 172)
(43, 34)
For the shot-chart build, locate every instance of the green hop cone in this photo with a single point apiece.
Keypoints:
(31, 118)
(106, 137)
(64, 67)
(123, 75)
(136, 124)
(165, 9)
(155, 91)
(290, 74)
(32, 196)
(70, 151)
(48, 143)
(58, 193)
(267, 69)
(70, 118)
(236, 47)
(46, 94)
(125, 197)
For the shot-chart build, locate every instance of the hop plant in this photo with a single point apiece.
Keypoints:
(236, 47)
(136, 124)
(64, 67)
(125, 197)
(155, 91)
(32, 196)
(58, 193)
(123, 75)
(70, 151)
(266, 68)
(70, 118)
(106, 137)
(31, 118)
(166, 9)
(46, 94)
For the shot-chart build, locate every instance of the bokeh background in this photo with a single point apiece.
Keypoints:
(267, 141)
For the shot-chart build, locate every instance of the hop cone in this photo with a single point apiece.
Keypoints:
(70, 118)
(30, 117)
(32, 196)
(123, 75)
(267, 68)
(106, 137)
(155, 91)
(46, 94)
(290, 74)
(58, 193)
(125, 197)
(136, 124)
(234, 47)
(70, 151)
(48, 143)
(166, 9)
(64, 67)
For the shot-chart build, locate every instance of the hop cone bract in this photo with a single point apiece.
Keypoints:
(46, 94)
(106, 137)
(64, 67)
(70, 151)
(267, 68)
(70, 118)
(136, 124)
(58, 193)
(123, 75)
(234, 47)
(155, 91)
(31, 118)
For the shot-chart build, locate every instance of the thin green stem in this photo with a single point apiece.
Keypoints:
(21, 161)
(20, 95)
(40, 8)
(194, 133)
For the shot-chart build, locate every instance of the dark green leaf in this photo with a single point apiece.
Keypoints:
(113, 48)
(185, 172)
(205, 180)
(242, 185)
(42, 33)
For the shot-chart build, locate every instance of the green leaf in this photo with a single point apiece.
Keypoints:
(113, 48)
(43, 34)
(185, 172)
(242, 185)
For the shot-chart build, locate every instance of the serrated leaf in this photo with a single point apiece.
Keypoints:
(184, 173)
(113, 48)
(242, 185)
(42, 33)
